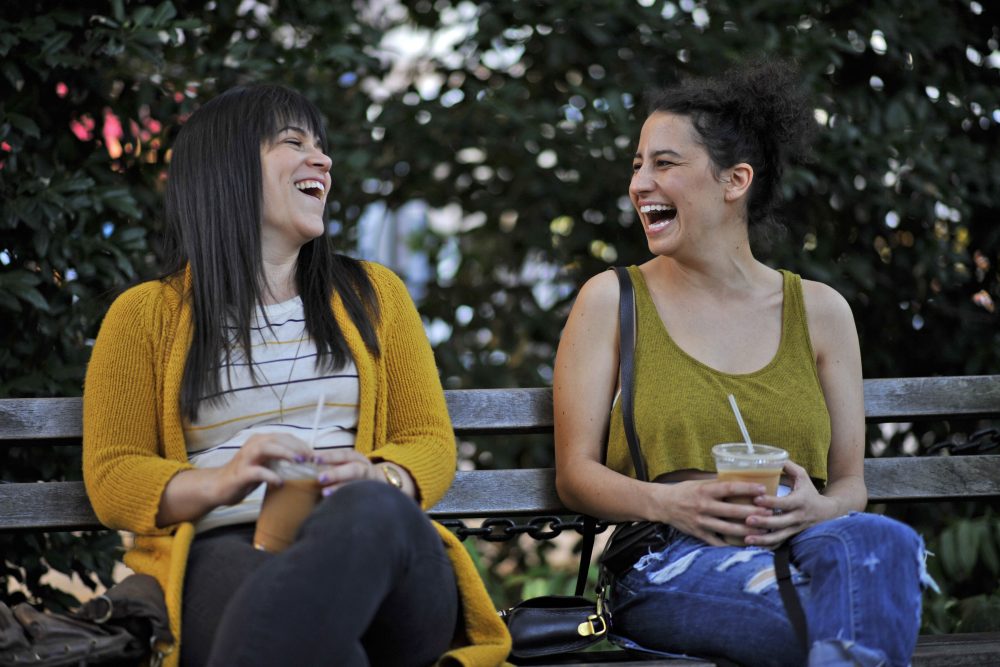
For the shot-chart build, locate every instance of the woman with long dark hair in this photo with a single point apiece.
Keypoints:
(712, 320)
(202, 381)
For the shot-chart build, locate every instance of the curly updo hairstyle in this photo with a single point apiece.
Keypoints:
(755, 113)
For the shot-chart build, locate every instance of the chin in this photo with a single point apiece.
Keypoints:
(312, 229)
(662, 245)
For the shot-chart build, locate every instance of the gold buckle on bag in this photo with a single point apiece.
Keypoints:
(590, 626)
(595, 625)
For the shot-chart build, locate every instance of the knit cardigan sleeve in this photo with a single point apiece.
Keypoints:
(418, 430)
(124, 468)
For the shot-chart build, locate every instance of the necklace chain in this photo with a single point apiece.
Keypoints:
(288, 381)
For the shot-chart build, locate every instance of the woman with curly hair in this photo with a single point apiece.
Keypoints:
(712, 320)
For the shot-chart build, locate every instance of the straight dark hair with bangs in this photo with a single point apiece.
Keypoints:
(214, 212)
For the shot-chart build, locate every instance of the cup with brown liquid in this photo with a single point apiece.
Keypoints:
(285, 507)
(735, 462)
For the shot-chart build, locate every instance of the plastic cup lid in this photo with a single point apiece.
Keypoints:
(291, 470)
(736, 453)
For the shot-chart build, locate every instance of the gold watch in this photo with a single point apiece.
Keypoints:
(392, 476)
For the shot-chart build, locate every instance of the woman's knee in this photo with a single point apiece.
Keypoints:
(890, 534)
(866, 527)
(871, 541)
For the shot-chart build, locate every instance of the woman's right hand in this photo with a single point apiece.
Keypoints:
(193, 493)
(249, 467)
(702, 508)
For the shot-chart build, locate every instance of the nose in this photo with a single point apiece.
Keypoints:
(321, 160)
(641, 181)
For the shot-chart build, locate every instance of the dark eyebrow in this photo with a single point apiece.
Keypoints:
(303, 132)
(665, 151)
(293, 128)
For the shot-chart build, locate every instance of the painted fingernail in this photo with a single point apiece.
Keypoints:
(327, 491)
(323, 479)
(299, 458)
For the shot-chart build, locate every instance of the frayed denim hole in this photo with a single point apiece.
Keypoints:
(651, 558)
(672, 570)
(926, 580)
(741, 556)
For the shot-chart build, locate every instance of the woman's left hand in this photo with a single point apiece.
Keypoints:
(340, 466)
(800, 509)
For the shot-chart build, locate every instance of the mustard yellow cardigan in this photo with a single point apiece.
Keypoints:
(133, 441)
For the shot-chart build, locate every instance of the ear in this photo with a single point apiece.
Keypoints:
(740, 177)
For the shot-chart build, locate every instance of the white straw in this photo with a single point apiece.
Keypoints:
(739, 420)
(319, 413)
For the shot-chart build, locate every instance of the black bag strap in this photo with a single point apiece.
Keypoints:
(626, 365)
(586, 551)
(789, 596)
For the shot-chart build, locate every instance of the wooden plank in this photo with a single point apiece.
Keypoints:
(960, 650)
(51, 506)
(500, 411)
(507, 411)
(509, 493)
(925, 398)
(41, 419)
(921, 478)
(27, 421)
(614, 657)
(496, 493)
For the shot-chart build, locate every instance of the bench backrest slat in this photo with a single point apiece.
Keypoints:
(506, 493)
(509, 411)
(64, 506)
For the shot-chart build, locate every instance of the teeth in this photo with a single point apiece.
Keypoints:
(310, 185)
(649, 208)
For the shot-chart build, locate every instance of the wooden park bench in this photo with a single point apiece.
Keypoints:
(498, 495)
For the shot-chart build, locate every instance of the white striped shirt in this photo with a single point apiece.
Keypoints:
(282, 398)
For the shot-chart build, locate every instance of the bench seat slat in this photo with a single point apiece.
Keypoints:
(973, 649)
(961, 650)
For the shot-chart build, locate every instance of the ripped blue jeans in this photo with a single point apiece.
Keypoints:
(858, 577)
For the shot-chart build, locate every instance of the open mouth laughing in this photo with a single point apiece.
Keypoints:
(658, 216)
(311, 187)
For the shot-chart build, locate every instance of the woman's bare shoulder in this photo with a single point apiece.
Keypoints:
(600, 290)
(823, 302)
(831, 321)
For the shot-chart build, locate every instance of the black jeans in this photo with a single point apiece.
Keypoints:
(366, 582)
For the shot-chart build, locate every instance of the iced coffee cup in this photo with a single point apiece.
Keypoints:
(285, 507)
(734, 462)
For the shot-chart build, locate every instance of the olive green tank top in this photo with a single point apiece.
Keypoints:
(681, 409)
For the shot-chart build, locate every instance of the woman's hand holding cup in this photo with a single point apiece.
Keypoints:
(250, 466)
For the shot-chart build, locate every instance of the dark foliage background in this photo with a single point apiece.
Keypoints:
(517, 140)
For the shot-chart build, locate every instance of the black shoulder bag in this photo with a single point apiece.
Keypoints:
(553, 624)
